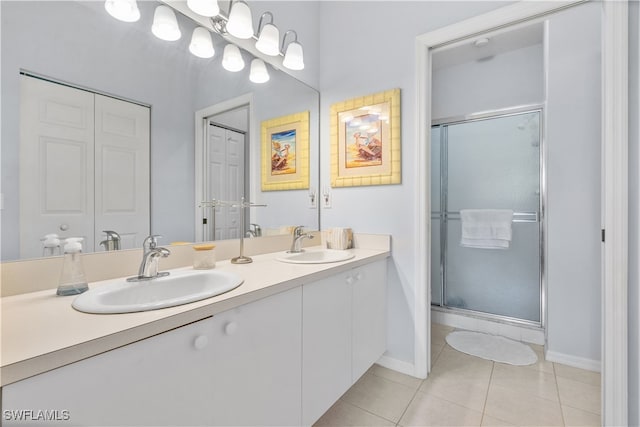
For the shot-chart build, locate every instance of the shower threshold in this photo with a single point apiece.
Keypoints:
(517, 329)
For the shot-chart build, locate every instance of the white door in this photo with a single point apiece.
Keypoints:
(56, 164)
(84, 167)
(225, 180)
(122, 193)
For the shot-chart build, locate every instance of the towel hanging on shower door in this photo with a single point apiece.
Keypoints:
(486, 228)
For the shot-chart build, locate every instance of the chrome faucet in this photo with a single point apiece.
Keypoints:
(112, 242)
(297, 240)
(254, 231)
(149, 265)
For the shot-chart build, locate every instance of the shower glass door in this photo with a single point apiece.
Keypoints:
(489, 163)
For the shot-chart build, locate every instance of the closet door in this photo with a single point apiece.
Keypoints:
(225, 180)
(56, 164)
(122, 185)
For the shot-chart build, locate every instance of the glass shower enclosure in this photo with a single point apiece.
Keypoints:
(488, 162)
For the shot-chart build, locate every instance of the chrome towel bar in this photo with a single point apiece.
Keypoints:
(518, 216)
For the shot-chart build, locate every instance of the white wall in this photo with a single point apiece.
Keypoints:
(478, 86)
(573, 194)
(634, 214)
(367, 47)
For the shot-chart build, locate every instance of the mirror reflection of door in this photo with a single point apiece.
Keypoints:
(225, 172)
(84, 166)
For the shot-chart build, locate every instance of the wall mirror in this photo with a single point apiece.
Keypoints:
(79, 45)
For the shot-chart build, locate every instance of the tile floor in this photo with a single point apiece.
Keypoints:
(464, 390)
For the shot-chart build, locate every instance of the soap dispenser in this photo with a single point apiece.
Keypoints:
(51, 245)
(72, 278)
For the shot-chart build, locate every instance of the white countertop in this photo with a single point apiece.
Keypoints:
(41, 331)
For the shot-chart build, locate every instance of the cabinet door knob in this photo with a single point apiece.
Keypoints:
(230, 328)
(350, 280)
(200, 342)
(359, 275)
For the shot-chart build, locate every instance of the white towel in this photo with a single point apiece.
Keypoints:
(486, 228)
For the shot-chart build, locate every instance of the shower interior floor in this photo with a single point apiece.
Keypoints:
(469, 391)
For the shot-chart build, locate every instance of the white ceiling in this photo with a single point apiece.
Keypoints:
(499, 42)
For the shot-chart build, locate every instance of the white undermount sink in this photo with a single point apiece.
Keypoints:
(314, 256)
(179, 287)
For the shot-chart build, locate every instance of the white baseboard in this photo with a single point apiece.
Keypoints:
(575, 361)
(397, 365)
(530, 335)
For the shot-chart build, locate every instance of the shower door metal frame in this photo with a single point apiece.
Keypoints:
(444, 213)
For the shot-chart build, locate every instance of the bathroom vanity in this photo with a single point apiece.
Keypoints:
(278, 350)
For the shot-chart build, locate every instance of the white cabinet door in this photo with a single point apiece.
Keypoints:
(326, 345)
(256, 360)
(165, 380)
(369, 316)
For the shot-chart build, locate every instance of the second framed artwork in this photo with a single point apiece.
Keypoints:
(365, 140)
(285, 152)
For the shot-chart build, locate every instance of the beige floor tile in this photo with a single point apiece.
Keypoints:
(542, 364)
(580, 375)
(579, 395)
(521, 408)
(435, 352)
(455, 364)
(469, 392)
(380, 396)
(488, 421)
(345, 414)
(428, 410)
(439, 332)
(394, 376)
(528, 381)
(578, 417)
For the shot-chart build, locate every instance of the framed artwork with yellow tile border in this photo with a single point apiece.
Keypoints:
(285, 152)
(365, 140)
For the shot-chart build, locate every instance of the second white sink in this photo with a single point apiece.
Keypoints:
(312, 256)
(180, 287)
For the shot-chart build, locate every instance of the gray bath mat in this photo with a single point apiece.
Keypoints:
(492, 347)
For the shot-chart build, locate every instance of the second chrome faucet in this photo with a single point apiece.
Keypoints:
(298, 236)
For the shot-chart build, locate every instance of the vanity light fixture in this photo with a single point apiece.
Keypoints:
(232, 58)
(293, 56)
(123, 10)
(259, 73)
(201, 44)
(240, 22)
(165, 24)
(268, 37)
(208, 8)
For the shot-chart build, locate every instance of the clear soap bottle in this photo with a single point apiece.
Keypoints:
(72, 279)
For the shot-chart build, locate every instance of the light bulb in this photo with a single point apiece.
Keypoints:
(201, 45)
(258, 72)
(293, 57)
(240, 23)
(123, 10)
(268, 41)
(165, 25)
(204, 7)
(232, 58)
